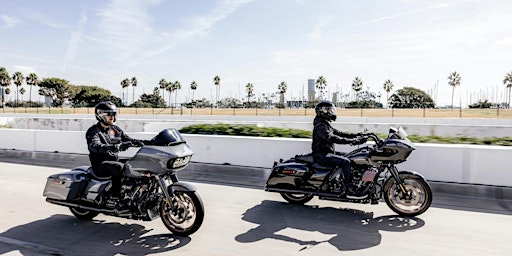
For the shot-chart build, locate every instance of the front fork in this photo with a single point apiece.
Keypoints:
(401, 185)
(163, 185)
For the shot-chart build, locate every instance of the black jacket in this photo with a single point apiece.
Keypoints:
(100, 143)
(325, 136)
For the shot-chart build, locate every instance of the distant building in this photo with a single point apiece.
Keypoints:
(311, 89)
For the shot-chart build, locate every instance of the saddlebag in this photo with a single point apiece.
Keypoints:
(65, 186)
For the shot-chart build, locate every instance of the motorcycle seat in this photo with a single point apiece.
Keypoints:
(90, 172)
(307, 158)
(321, 167)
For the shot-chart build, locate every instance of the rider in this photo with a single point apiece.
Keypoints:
(102, 138)
(324, 138)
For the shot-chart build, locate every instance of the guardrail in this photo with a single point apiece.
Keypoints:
(468, 164)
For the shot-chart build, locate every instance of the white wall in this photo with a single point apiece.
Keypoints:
(450, 163)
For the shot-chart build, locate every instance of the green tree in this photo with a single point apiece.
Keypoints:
(453, 81)
(56, 89)
(507, 81)
(18, 79)
(321, 84)
(22, 92)
(89, 96)
(163, 86)
(282, 88)
(193, 87)
(357, 86)
(249, 89)
(388, 86)
(410, 97)
(134, 84)
(177, 86)
(5, 82)
(216, 81)
(31, 80)
(170, 89)
(153, 100)
(124, 84)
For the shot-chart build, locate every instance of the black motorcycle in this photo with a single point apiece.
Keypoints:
(374, 172)
(150, 188)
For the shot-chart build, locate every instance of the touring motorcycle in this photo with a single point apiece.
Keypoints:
(150, 188)
(374, 172)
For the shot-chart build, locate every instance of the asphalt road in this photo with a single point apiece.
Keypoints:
(246, 221)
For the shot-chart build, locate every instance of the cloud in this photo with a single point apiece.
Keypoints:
(75, 40)
(199, 25)
(319, 26)
(7, 22)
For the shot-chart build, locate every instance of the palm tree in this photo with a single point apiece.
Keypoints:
(388, 86)
(18, 79)
(320, 84)
(357, 85)
(508, 83)
(193, 87)
(249, 88)
(216, 81)
(22, 91)
(282, 87)
(134, 84)
(5, 82)
(124, 84)
(453, 80)
(177, 86)
(170, 88)
(162, 85)
(31, 80)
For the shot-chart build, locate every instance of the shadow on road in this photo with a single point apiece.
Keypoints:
(70, 236)
(348, 229)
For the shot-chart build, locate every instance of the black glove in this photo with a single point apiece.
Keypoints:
(138, 143)
(359, 141)
(125, 145)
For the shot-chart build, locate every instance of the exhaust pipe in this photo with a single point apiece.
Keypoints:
(68, 204)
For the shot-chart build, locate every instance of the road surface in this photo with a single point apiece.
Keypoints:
(246, 221)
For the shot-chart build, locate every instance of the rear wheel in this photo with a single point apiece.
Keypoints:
(415, 201)
(295, 198)
(83, 214)
(187, 216)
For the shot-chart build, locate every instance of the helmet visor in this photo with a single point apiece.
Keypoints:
(329, 110)
(103, 113)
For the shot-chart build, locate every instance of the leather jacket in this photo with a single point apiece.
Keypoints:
(325, 136)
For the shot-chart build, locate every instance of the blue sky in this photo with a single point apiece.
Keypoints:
(411, 42)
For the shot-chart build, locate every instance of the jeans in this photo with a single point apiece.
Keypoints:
(114, 170)
(341, 163)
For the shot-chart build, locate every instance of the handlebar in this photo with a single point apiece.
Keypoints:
(375, 138)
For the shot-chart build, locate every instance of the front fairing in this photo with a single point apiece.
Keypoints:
(161, 159)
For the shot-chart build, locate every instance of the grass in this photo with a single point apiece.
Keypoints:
(255, 131)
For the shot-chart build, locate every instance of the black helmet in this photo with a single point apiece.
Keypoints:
(103, 109)
(326, 110)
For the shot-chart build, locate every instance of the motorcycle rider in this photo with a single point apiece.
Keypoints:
(324, 138)
(102, 142)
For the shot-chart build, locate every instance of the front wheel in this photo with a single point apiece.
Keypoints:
(187, 216)
(295, 198)
(83, 214)
(415, 201)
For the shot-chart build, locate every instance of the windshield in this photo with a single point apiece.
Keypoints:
(167, 137)
(401, 133)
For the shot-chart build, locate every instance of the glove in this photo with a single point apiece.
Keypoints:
(138, 143)
(125, 145)
(359, 141)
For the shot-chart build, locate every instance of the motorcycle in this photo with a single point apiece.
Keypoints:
(374, 172)
(150, 188)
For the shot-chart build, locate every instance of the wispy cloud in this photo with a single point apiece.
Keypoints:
(437, 6)
(75, 40)
(7, 22)
(319, 26)
(199, 25)
(124, 27)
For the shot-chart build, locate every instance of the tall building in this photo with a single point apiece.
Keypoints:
(311, 89)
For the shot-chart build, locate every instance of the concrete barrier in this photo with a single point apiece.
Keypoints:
(467, 164)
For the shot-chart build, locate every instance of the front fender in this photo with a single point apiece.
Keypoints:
(180, 186)
(406, 172)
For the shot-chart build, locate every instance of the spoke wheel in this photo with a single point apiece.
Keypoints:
(415, 201)
(296, 198)
(187, 216)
